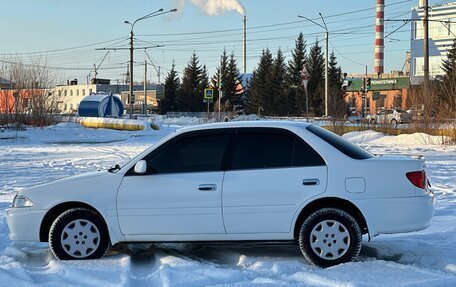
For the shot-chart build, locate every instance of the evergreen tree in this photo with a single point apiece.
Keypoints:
(219, 76)
(295, 90)
(448, 65)
(315, 88)
(190, 95)
(260, 88)
(278, 85)
(336, 103)
(447, 99)
(204, 80)
(172, 84)
(232, 97)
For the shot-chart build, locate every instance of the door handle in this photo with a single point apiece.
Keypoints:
(207, 187)
(311, 181)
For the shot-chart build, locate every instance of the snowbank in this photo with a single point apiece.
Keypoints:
(373, 137)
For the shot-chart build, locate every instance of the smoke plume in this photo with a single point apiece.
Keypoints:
(217, 7)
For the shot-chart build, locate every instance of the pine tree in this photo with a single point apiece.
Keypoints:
(315, 88)
(172, 84)
(190, 95)
(295, 90)
(336, 105)
(278, 85)
(449, 65)
(219, 76)
(259, 86)
(233, 101)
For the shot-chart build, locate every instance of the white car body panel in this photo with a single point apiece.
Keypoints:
(247, 205)
(265, 200)
(170, 204)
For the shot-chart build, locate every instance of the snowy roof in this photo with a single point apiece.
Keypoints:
(96, 97)
(4, 81)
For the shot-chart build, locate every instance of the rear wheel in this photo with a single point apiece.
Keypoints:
(372, 121)
(330, 236)
(394, 122)
(79, 233)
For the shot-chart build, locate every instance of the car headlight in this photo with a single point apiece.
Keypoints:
(22, 201)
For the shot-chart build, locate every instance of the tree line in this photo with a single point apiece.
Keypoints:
(275, 85)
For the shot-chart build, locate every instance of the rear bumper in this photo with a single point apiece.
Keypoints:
(24, 223)
(397, 215)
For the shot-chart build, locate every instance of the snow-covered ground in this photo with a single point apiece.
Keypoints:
(426, 258)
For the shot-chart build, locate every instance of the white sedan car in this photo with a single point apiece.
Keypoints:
(267, 181)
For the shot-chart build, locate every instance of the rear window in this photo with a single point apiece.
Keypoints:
(339, 143)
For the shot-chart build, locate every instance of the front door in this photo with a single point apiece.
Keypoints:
(181, 192)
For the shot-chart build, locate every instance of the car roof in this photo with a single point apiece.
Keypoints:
(247, 124)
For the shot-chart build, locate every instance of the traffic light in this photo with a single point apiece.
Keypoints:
(368, 83)
(131, 100)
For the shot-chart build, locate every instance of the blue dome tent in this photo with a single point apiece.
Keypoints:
(101, 105)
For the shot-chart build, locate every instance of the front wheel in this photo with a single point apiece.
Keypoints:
(330, 236)
(79, 233)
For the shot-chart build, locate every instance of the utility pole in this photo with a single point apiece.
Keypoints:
(326, 71)
(426, 47)
(158, 76)
(365, 95)
(145, 87)
(150, 15)
(219, 90)
(326, 56)
(131, 73)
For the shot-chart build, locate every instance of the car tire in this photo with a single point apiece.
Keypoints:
(372, 121)
(77, 234)
(394, 122)
(330, 236)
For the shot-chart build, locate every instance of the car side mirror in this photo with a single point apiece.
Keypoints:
(141, 167)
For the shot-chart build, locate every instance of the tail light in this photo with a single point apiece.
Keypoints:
(417, 178)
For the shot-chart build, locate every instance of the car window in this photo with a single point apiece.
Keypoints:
(339, 143)
(305, 155)
(257, 150)
(192, 154)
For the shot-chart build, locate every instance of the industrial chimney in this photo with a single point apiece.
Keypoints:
(379, 37)
(244, 47)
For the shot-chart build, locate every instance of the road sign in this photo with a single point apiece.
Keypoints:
(208, 95)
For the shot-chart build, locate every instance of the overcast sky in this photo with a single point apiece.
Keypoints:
(30, 26)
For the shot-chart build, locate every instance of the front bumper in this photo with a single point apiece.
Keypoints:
(24, 223)
(397, 215)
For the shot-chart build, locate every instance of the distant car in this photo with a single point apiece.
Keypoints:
(389, 116)
(236, 181)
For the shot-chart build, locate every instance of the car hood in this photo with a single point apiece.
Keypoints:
(65, 181)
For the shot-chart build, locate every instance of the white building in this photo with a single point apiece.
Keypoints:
(442, 31)
(69, 96)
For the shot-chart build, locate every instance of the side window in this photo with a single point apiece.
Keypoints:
(192, 154)
(305, 155)
(257, 150)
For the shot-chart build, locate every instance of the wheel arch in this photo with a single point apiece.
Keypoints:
(333, 202)
(58, 209)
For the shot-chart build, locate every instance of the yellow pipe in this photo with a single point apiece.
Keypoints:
(113, 126)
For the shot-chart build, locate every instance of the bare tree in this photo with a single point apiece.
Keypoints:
(29, 99)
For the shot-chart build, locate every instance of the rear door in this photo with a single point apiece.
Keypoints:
(270, 172)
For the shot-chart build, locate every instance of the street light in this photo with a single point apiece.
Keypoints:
(150, 15)
(326, 55)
